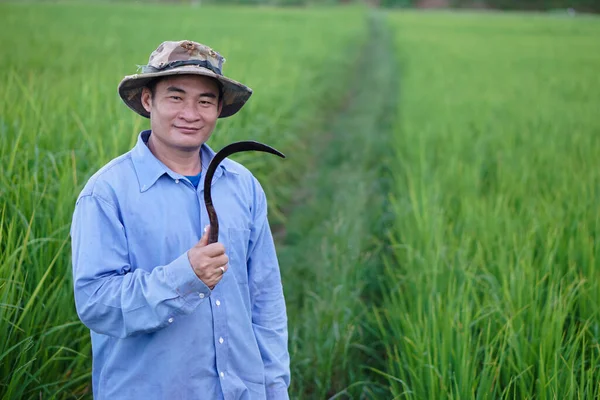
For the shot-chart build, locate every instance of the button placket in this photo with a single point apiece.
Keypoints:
(219, 313)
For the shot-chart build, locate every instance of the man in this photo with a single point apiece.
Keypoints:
(172, 317)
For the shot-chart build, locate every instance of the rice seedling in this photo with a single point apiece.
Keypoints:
(333, 236)
(61, 119)
(492, 288)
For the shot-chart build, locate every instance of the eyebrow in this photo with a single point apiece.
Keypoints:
(180, 90)
(175, 89)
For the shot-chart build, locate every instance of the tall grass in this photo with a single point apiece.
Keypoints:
(61, 119)
(489, 284)
(493, 288)
(332, 235)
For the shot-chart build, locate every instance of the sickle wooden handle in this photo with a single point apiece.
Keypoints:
(213, 235)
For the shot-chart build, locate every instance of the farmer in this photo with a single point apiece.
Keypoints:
(172, 317)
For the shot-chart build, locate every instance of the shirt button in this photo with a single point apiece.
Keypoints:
(222, 374)
(221, 340)
(176, 180)
(201, 295)
(171, 320)
(218, 303)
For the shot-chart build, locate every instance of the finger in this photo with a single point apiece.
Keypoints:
(204, 239)
(223, 260)
(218, 262)
(220, 271)
(214, 250)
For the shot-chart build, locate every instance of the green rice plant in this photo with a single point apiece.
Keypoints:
(61, 119)
(492, 290)
(332, 236)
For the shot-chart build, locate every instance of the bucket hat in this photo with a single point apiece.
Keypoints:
(183, 57)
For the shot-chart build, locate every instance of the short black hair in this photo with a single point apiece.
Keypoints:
(151, 85)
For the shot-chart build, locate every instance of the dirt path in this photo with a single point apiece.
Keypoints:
(330, 253)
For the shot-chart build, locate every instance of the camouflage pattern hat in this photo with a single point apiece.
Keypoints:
(182, 58)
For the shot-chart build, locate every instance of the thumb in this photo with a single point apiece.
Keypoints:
(204, 239)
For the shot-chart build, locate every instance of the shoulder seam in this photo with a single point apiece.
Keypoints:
(102, 199)
(115, 162)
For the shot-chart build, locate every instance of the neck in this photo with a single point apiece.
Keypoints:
(182, 161)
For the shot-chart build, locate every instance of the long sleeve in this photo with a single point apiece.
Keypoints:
(118, 299)
(268, 305)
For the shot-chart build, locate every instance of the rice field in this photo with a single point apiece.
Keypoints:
(492, 286)
(61, 119)
(436, 219)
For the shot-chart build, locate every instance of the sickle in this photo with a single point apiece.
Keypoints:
(226, 151)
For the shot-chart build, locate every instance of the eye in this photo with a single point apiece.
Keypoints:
(175, 97)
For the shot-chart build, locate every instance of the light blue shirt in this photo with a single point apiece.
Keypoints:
(158, 332)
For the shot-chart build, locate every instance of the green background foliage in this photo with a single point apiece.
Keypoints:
(492, 289)
(436, 219)
(529, 5)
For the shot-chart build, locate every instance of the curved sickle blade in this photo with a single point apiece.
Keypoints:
(225, 152)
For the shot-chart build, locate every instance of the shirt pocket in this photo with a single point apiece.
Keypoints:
(238, 253)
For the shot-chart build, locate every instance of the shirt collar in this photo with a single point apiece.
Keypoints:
(148, 168)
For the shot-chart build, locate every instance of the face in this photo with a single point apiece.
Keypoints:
(183, 111)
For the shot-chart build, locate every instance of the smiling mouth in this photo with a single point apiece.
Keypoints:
(187, 129)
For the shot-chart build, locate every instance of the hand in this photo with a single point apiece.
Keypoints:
(209, 261)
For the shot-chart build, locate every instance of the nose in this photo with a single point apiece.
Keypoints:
(190, 112)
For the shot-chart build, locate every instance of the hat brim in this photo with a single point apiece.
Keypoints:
(235, 94)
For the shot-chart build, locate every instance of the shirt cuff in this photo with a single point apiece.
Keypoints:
(277, 393)
(184, 281)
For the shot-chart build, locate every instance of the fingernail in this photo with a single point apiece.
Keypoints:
(206, 228)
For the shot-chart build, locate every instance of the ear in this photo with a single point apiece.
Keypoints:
(147, 99)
